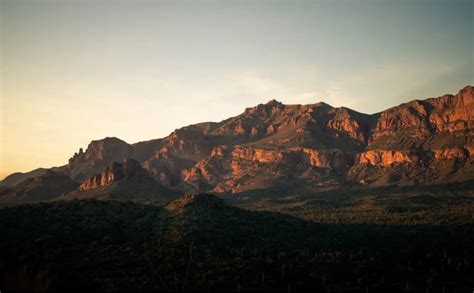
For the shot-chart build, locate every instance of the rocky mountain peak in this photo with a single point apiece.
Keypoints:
(271, 107)
(98, 155)
(102, 149)
(323, 105)
(273, 103)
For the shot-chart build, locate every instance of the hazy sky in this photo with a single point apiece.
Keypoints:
(74, 71)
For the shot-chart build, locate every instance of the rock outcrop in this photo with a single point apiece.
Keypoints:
(433, 123)
(98, 155)
(386, 158)
(241, 168)
(128, 170)
(123, 181)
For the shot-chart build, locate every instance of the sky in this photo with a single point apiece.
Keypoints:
(76, 71)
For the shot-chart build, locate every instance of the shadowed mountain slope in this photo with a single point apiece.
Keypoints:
(48, 186)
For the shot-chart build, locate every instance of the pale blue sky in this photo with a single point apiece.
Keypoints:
(73, 71)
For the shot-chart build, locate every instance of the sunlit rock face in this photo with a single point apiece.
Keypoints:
(387, 158)
(241, 168)
(453, 113)
(421, 141)
(127, 170)
(433, 123)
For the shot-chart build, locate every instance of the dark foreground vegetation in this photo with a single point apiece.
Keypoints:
(199, 243)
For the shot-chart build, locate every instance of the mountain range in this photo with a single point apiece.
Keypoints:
(274, 148)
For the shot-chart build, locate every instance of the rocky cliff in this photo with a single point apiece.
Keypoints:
(98, 155)
(126, 180)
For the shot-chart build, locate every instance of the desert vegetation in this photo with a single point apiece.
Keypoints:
(201, 242)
